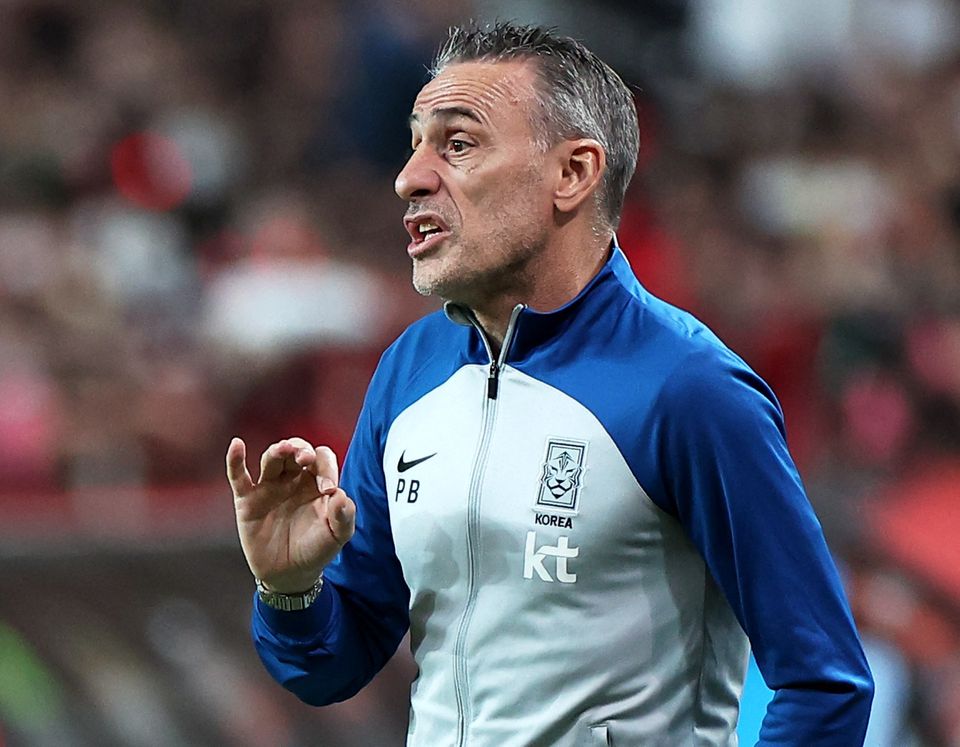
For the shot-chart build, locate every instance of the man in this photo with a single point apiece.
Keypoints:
(572, 494)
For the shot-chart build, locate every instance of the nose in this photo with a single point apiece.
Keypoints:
(418, 178)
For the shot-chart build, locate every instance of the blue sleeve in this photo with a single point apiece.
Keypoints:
(733, 485)
(328, 652)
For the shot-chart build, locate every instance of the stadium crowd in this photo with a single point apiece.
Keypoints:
(199, 238)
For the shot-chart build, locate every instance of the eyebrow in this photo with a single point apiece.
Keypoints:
(449, 112)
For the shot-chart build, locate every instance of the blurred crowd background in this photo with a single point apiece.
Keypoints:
(199, 239)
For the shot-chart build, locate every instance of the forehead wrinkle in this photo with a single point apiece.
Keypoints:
(480, 94)
(454, 112)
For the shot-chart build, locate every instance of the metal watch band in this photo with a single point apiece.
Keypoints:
(289, 602)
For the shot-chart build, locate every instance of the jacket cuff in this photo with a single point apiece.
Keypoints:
(310, 623)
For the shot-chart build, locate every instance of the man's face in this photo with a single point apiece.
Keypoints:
(480, 203)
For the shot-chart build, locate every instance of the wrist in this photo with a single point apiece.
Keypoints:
(293, 581)
(289, 601)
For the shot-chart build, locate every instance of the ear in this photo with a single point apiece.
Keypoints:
(582, 163)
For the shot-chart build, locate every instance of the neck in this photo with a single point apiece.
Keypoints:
(551, 279)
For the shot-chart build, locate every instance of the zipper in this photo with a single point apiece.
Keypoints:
(496, 365)
(461, 684)
(493, 380)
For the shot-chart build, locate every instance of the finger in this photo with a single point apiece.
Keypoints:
(328, 471)
(289, 457)
(240, 481)
(341, 517)
(272, 461)
(305, 456)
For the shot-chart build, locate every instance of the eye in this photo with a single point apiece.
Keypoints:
(457, 146)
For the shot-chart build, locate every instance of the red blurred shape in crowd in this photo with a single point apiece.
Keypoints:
(878, 416)
(151, 171)
(916, 522)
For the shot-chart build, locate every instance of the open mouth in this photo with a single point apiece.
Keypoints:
(426, 231)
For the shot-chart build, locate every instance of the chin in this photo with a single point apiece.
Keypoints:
(431, 278)
(429, 286)
(451, 283)
(448, 291)
(445, 291)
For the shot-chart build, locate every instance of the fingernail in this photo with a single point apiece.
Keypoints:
(327, 485)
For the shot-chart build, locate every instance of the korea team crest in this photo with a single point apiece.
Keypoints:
(562, 475)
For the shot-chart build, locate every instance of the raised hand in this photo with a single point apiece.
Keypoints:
(294, 520)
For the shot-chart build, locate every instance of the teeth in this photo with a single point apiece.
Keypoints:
(427, 227)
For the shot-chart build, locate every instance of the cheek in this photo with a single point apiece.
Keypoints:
(511, 191)
(523, 201)
(490, 198)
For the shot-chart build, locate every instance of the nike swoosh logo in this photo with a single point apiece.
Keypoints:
(403, 466)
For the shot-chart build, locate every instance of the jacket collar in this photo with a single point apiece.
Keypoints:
(535, 328)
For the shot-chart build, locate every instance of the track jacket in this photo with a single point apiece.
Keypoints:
(577, 535)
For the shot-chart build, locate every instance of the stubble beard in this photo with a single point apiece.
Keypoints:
(478, 270)
(504, 271)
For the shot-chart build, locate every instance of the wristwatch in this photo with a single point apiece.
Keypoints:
(289, 602)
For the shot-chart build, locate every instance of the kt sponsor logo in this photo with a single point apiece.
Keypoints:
(534, 559)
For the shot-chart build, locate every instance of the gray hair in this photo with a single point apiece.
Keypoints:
(579, 95)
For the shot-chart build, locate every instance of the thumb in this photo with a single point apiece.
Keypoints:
(341, 517)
